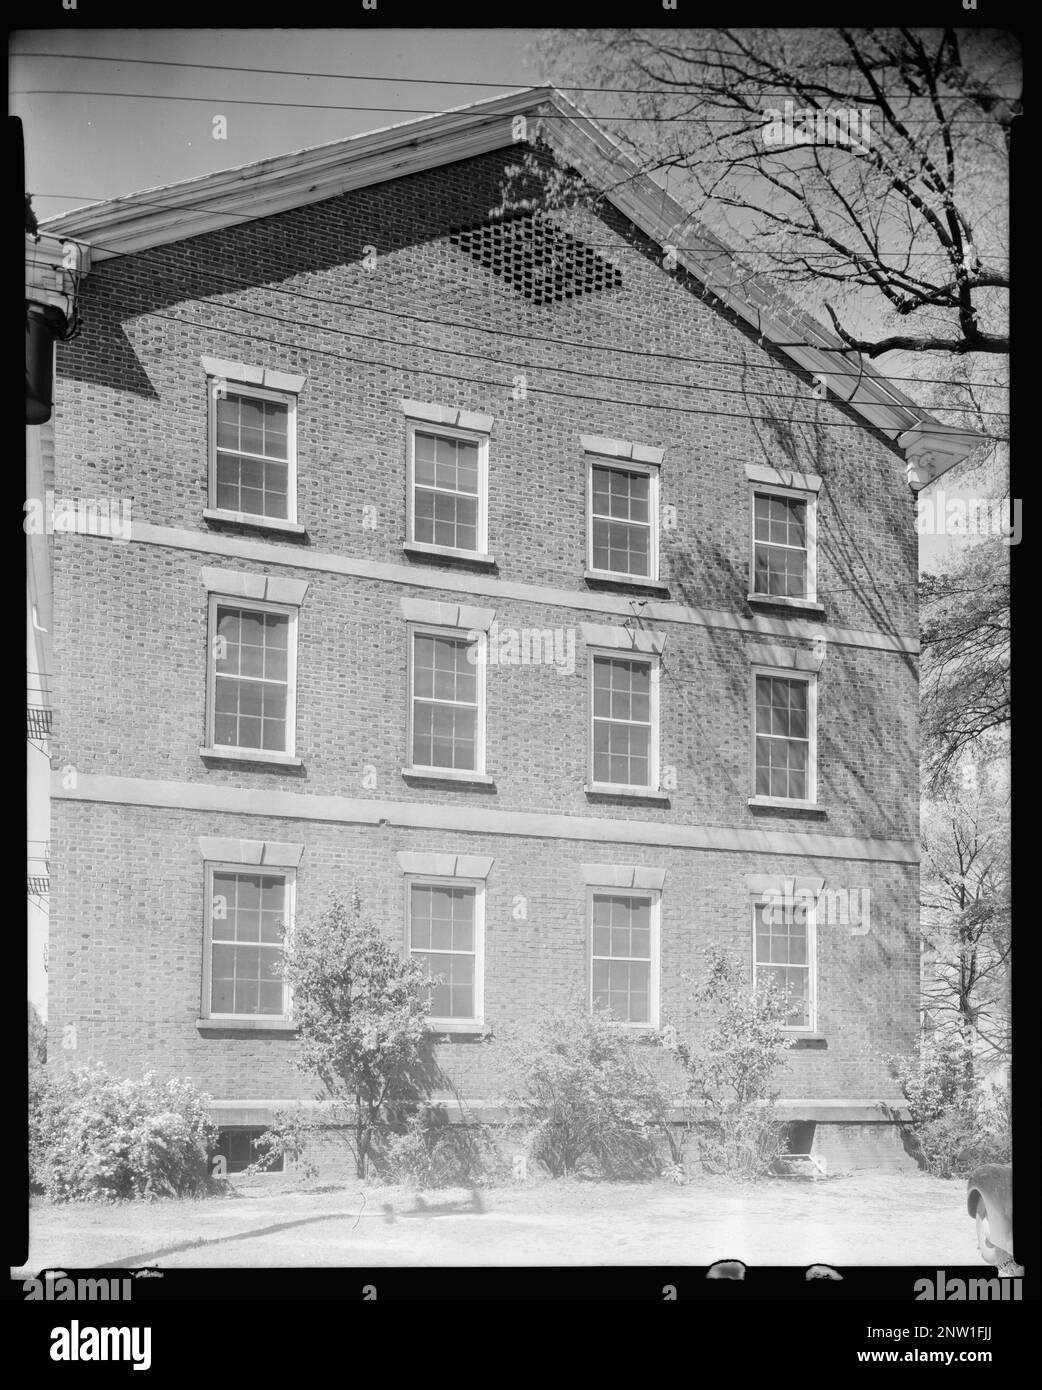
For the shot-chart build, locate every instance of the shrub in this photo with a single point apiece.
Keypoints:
(731, 1073)
(427, 1151)
(584, 1098)
(95, 1136)
(361, 1011)
(955, 1122)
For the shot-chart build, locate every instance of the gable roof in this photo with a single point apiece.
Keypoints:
(153, 217)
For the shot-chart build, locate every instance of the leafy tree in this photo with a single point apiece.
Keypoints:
(731, 1071)
(955, 1126)
(361, 1008)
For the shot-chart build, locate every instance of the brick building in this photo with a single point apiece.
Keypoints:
(494, 557)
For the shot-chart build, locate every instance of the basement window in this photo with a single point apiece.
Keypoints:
(238, 1146)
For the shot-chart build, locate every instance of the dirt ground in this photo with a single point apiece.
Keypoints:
(857, 1219)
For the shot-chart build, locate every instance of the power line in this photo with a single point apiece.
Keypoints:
(432, 111)
(424, 81)
(546, 338)
(507, 385)
(536, 366)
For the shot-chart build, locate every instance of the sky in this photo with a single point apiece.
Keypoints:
(82, 148)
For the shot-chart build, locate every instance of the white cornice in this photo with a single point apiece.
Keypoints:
(154, 217)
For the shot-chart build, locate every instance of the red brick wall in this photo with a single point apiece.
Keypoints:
(130, 620)
(126, 955)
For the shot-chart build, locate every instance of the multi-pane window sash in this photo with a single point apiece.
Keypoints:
(248, 912)
(253, 471)
(783, 747)
(448, 472)
(783, 956)
(443, 935)
(252, 677)
(621, 959)
(622, 521)
(623, 718)
(780, 556)
(446, 698)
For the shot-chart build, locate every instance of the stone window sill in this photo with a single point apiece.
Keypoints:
(272, 524)
(781, 803)
(425, 549)
(251, 755)
(625, 581)
(810, 1042)
(245, 1025)
(454, 1027)
(597, 790)
(448, 774)
(804, 605)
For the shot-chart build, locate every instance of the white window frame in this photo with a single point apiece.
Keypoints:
(812, 960)
(650, 659)
(648, 470)
(454, 1025)
(654, 895)
(289, 877)
(811, 680)
(458, 634)
(469, 436)
(223, 386)
(789, 494)
(218, 600)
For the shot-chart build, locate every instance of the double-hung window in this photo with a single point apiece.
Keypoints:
(447, 481)
(784, 754)
(622, 519)
(252, 676)
(624, 721)
(624, 954)
(779, 545)
(783, 561)
(783, 953)
(446, 703)
(445, 928)
(252, 444)
(448, 493)
(248, 911)
(253, 464)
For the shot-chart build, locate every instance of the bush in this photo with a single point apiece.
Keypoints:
(955, 1122)
(94, 1136)
(427, 1151)
(360, 1007)
(584, 1098)
(731, 1073)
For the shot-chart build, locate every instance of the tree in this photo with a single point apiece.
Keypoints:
(966, 917)
(361, 1009)
(732, 1070)
(966, 656)
(904, 221)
